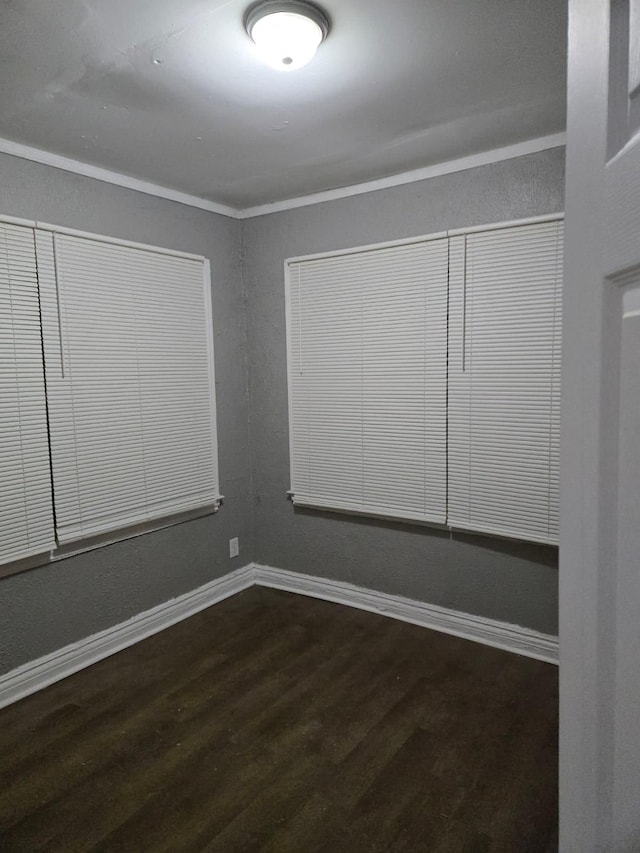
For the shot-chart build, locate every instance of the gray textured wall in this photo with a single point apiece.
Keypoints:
(48, 607)
(515, 582)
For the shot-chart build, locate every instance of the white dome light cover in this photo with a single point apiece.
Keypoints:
(286, 34)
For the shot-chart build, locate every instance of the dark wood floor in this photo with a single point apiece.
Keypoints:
(274, 722)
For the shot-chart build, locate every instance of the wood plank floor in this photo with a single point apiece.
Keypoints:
(274, 722)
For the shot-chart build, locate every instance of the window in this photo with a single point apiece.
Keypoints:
(367, 379)
(504, 380)
(128, 364)
(424, 379)
(26, 512)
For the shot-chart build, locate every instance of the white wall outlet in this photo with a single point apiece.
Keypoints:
(234, 547)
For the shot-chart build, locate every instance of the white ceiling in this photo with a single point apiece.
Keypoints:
(170, 91)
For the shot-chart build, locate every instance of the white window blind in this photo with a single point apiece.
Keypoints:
(129, 367)
(26, 514)
(367, 344)
(504, 380)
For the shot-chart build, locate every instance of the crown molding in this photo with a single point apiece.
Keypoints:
(88, 170)
(485, 158)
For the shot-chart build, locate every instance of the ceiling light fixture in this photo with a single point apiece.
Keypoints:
(286, 34)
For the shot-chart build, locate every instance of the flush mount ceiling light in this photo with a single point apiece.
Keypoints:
(286, 34)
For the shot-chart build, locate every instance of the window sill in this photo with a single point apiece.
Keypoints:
(95, 542)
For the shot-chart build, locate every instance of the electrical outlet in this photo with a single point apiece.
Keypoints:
(234, 547)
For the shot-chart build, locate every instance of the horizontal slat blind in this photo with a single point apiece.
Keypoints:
(504, 380)
(129, 363)
(26, 514)
(367, 337)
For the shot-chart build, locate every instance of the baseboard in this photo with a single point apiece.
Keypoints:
(501, 635)
(53, 667)
(36, 675)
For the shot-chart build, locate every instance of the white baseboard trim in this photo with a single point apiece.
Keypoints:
(35, 675)
(40, 673)
(501, 635)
